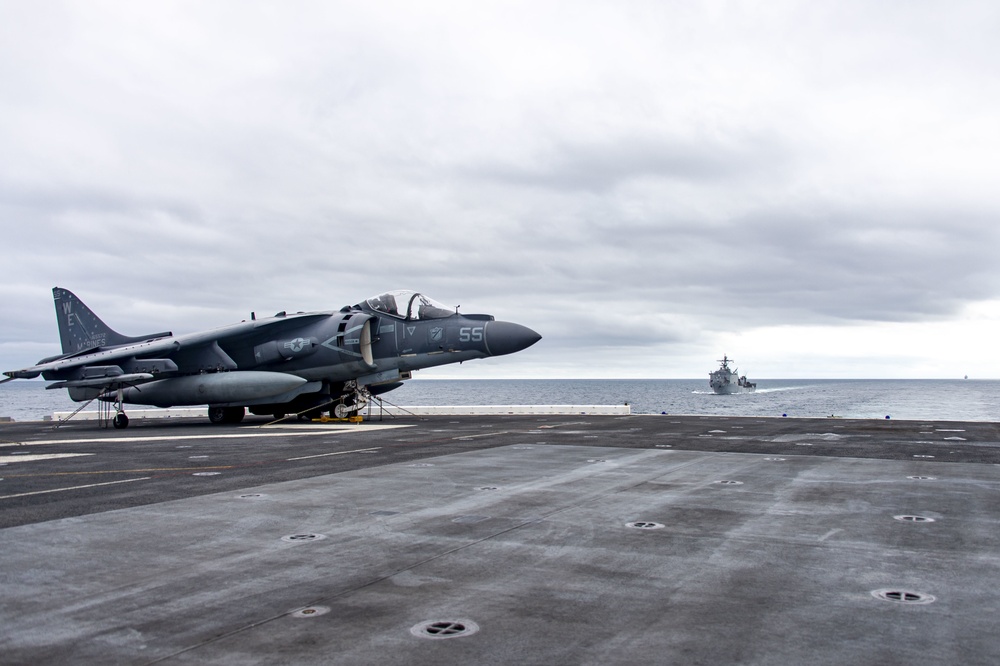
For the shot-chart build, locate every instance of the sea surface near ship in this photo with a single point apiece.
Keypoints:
(931, 399)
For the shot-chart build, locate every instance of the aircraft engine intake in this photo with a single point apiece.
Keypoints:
(354, 337)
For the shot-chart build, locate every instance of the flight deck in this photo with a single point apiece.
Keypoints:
(545, 539)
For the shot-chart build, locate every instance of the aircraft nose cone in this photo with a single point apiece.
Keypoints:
(503, 337)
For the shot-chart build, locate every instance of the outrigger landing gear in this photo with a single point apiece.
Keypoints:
(120, 420)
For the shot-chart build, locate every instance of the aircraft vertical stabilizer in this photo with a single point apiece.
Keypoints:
(81, 329)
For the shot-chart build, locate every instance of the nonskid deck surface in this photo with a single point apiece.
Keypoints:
(569, 539)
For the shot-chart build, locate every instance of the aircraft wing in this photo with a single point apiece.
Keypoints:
(162, 348)
(101, 357)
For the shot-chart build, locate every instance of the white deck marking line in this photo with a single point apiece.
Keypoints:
(335, 453)
(487, 434)
(41, 456)
(161, 438)
(59, 490)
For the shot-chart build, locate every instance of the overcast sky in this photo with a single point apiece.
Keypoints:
(811, 188)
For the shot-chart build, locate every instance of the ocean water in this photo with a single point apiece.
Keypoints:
(936, 399)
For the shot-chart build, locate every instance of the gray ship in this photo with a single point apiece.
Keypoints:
(725, 380)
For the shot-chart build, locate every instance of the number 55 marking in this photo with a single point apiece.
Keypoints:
(470, 334)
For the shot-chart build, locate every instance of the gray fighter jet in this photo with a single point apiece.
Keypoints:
(302, 363)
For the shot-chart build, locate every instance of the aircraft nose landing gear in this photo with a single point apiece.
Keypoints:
(352, 402)
(120, 421)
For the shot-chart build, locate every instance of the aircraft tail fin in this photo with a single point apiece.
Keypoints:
(80, 329)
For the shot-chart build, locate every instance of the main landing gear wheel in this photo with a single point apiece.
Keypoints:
(226, 414)
(120, 421)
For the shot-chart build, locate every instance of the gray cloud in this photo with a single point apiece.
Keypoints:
(601, 167)
(632, 182)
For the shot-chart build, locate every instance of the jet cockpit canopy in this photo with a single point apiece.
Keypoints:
(409, 305)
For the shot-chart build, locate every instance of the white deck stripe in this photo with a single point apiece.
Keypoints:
(335, 453)
(298, 431)
(40, 456)
(59, 490)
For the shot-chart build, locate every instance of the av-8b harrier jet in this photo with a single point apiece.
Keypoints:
(301, 363)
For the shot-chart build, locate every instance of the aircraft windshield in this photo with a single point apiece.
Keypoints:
(409, 305)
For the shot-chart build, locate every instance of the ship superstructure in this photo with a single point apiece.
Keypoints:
(727, 380)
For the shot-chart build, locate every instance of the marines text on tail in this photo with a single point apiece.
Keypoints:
(285, 364)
